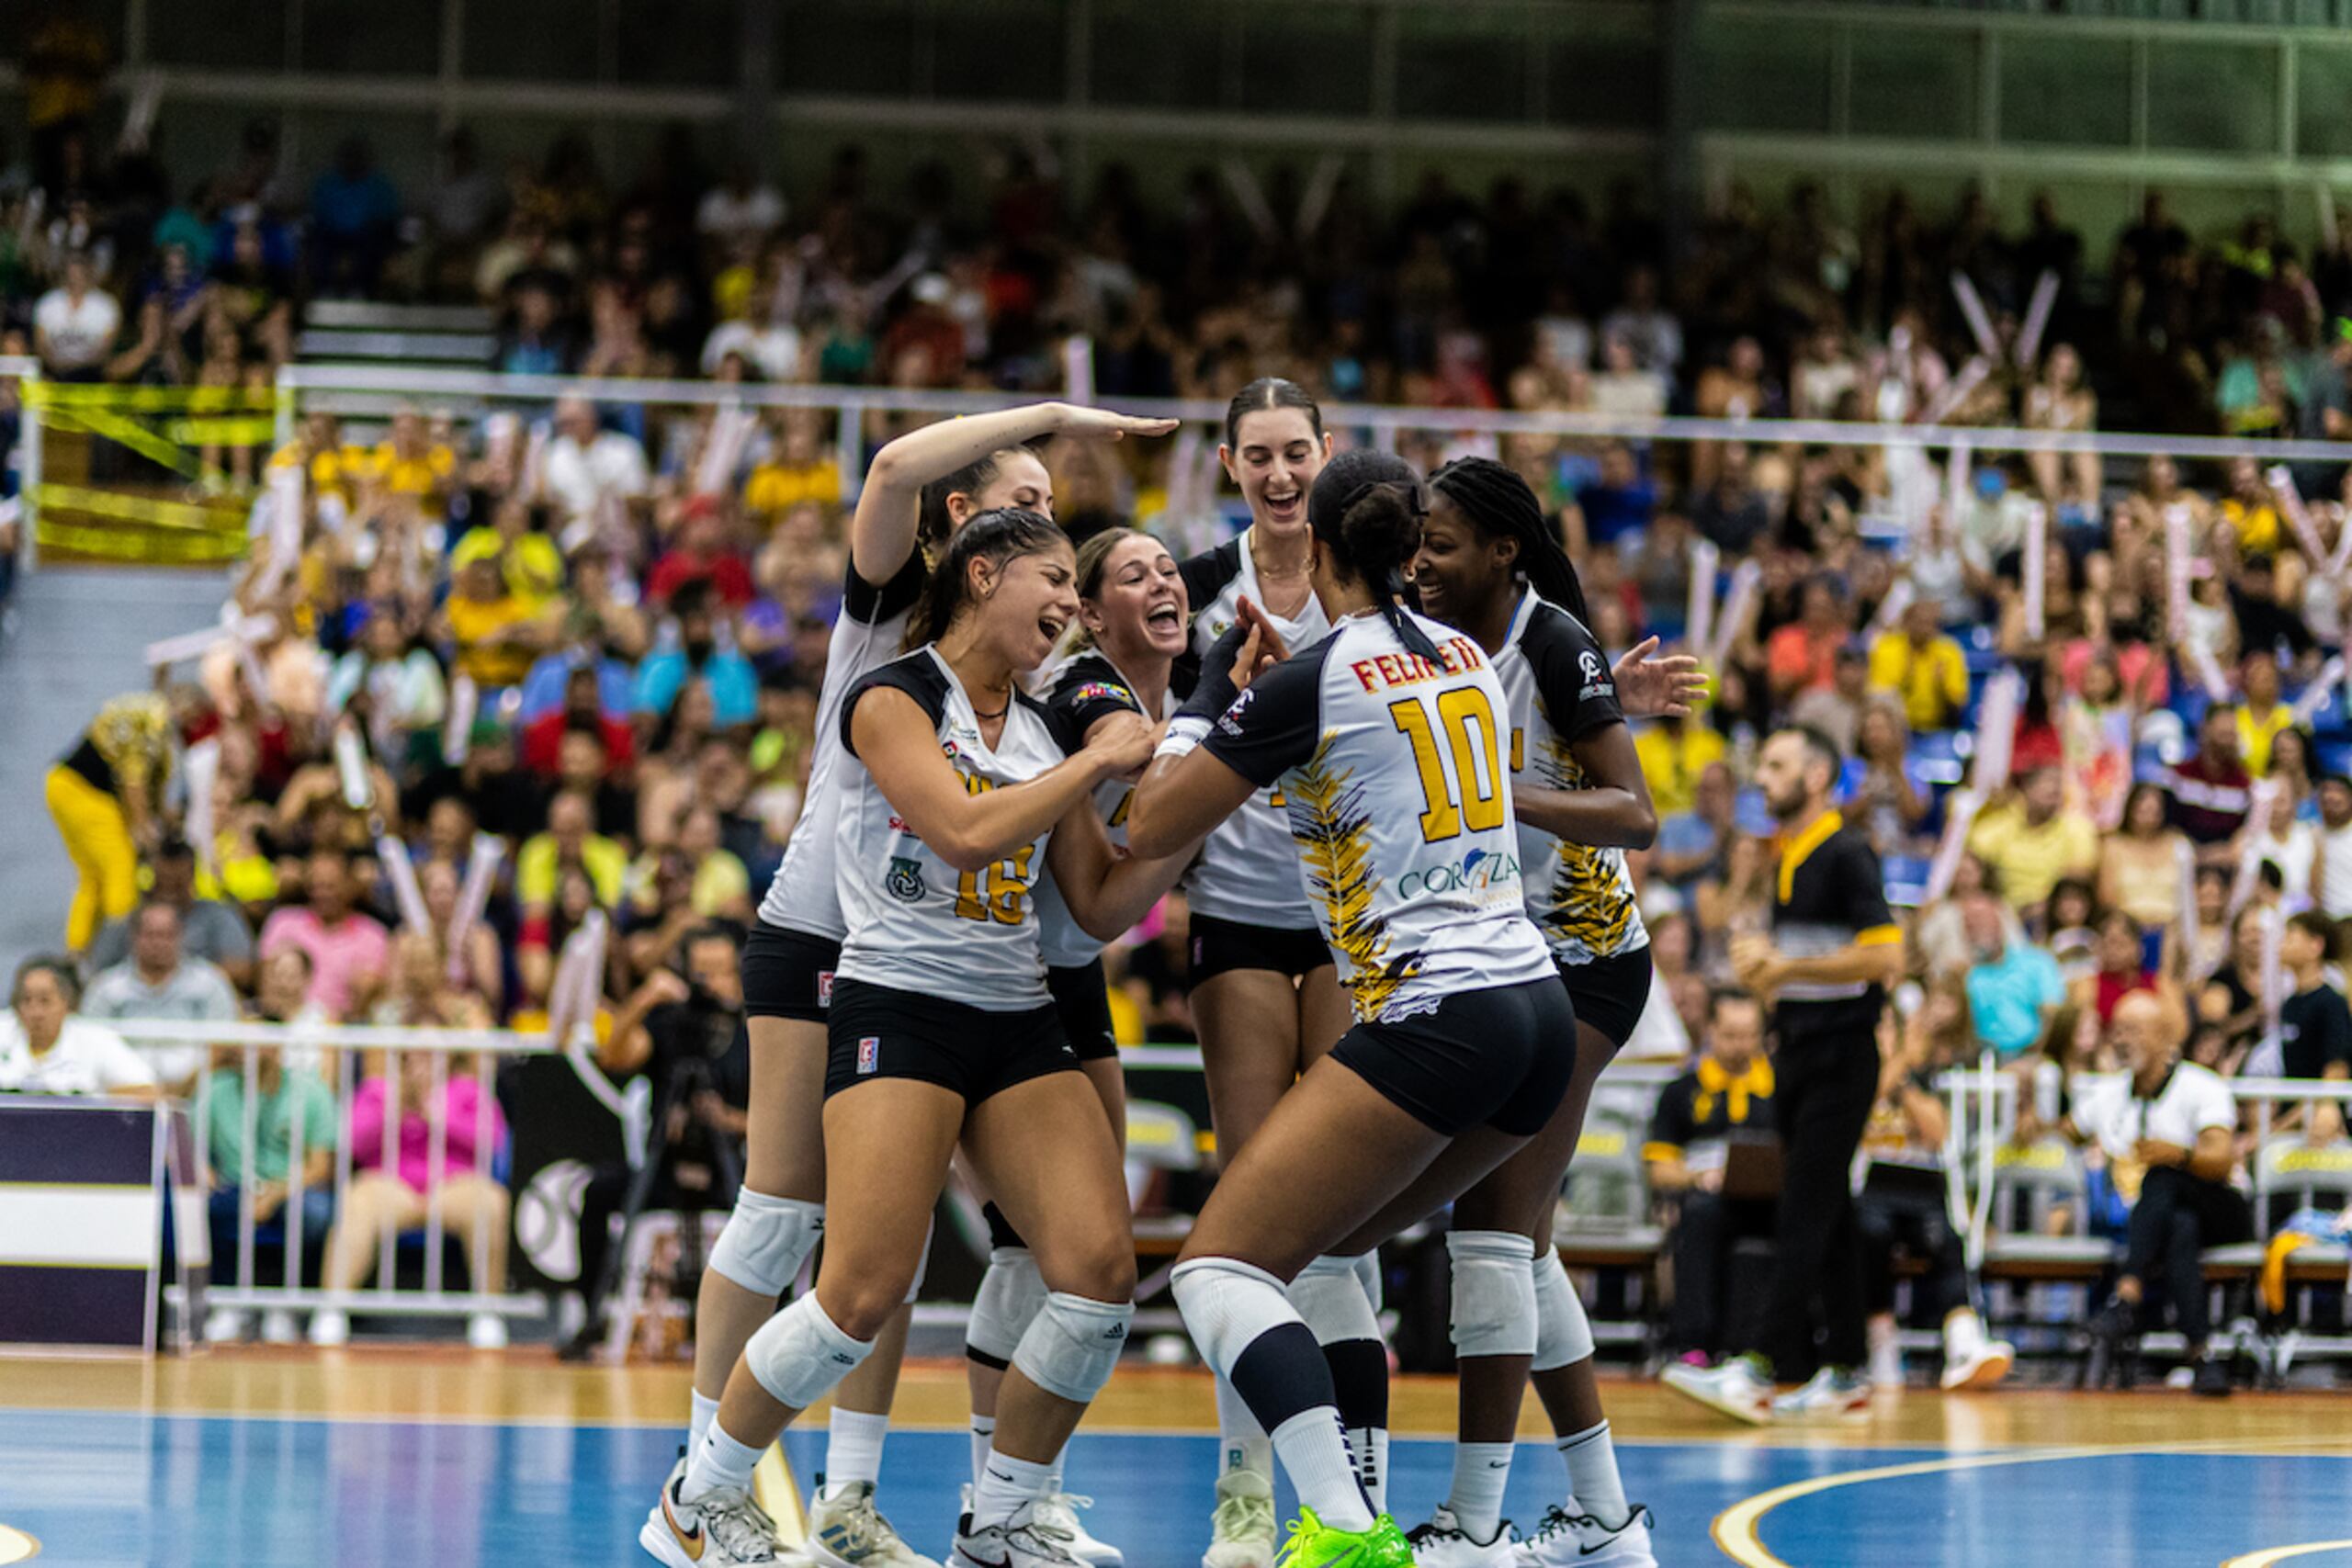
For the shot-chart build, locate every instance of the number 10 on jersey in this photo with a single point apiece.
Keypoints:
(1462, 780)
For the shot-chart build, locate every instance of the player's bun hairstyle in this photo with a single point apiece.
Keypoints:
(997, 536)
(934, 524)
(1366, 508)
(1269, 392)
(1501, 505)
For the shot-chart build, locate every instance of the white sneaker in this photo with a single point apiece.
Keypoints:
(1734, 1389)
(719, 1529)
(1024, 1540)
(1886, 1364)
(1580, 1541)
(1059, 1511)
(1830, 1393)
(845, 1530)
(486, 1331)
(330, 1326)
(1443, 1544)
(223, 1325)
(1972, 1360)
(1241, 1531)
(278, 1328)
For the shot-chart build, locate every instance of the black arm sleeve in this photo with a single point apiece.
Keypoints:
(868, 604)
(1273, 726)
(1861, 888)
(1572, 679)
(917, 675)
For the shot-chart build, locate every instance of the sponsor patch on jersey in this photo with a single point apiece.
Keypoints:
(904, 881)
(1475, 873)
(1107, 691)
(869, 1052)
(824, 987)
(1597, 682)
(1230, 723)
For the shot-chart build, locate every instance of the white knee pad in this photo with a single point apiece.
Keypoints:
(1072, 1345)
(1227, 1305)
(765, 1240)
(1494, 1293)
(1563, 1332)
(799, 1354)
(1011, 1295)
(922, 1263)
(1329, 1295)
(1368, 1275)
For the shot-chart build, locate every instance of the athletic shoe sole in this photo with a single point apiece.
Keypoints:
(1751, 1415)
(1986, 1372)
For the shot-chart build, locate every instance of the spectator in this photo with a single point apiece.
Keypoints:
(2332, 869)
(350, 951)
(397, 1184)
(582, 712)
(45, 1048)
(2260, 715)
(2179, 1121)
(2013, 987)
(290, 1106)
(1884, 801)
(2314, 1026)
(353, 214)
(1729, 513)
(701, 555)
(597, 480)
(569, 842)
(1728, 1093)
(495, 634)
(1674, 754)
(75, 323)
(211, 931)
(2263, 622)
(2121, 958)
(392, 686)
(1923, 668)
(2209, 790)
(697, 655)
(2035, 839)
(2283, 845)
(742, 210)
(1803, 655)
(159, 981)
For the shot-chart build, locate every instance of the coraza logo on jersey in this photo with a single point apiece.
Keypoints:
(1230, 721)
(1476, 872)
(904, 879)
(1595, 675)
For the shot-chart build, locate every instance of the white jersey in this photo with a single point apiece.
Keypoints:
(1079, 690)
(915, 922)
(872, 625)
(1244, 872)
(1398, 803)
(1557, 679)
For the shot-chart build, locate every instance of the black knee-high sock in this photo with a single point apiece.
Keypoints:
(1360, 1379)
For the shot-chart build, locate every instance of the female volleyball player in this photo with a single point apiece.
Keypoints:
(956, 791)
(1387, 740)
(1490, 565)
(1265, 995)
(927, 482)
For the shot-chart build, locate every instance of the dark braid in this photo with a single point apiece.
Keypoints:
(1500, 504)
(1366, 508)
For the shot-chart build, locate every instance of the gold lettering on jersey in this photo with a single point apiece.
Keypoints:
(1455, 656)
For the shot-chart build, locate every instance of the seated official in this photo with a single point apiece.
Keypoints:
(1727, 1093)
(45, 1048)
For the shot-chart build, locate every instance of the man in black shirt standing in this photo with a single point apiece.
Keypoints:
(2314, 1024)
(1833, 950)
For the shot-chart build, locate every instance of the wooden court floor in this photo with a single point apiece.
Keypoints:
(415, 1455)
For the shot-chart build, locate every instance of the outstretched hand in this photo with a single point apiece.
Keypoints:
(1653, 688)
(1107, 425)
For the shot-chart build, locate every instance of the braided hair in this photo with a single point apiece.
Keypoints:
(1500, 504)
(1366, 508)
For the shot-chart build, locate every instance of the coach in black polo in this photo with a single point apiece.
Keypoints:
(1833, 951)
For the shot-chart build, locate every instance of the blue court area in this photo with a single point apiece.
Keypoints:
(104, 1489)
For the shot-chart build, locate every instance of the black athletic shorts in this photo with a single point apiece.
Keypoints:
(788, 974)
(1501, 1056)
(1083, 998)
(1219, 945)
(874, 1031)
(1610, 993)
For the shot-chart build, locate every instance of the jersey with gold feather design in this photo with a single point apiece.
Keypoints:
(1560, 689)
(915, 922)
(1244, 872)
(1398, 800)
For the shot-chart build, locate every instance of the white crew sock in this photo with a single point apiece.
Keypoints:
(1481, 1471)
(1242, 1441)
(983, 1437)
(706, 1412)
(1593, 1480)
(853, 1447)
(718, 1461)
(1054, 1472)
(1314, 1450)
(1004, 1485)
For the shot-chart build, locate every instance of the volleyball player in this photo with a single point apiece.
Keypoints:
(926, 482)
(1131, 629)
(1265, 995)
(1490, 565)
(1386, 740)
(956, 790)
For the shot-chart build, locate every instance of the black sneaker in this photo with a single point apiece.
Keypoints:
(2213, 1379)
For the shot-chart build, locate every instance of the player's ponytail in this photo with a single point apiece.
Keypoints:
(997, 536)
(1366, 508)
(1500, 504)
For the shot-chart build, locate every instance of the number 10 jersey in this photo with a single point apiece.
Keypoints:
(1394, 771)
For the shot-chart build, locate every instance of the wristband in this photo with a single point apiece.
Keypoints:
(1185, 732)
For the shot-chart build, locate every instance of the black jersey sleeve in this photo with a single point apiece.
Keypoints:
(1089, 689)
(1069, 737)
(917, 675)
(1207, 574)
(1572, 678)
(870, 604)
(1861, 890)
(1273, 726)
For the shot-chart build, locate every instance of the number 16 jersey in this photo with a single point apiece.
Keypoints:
(1395, 771)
